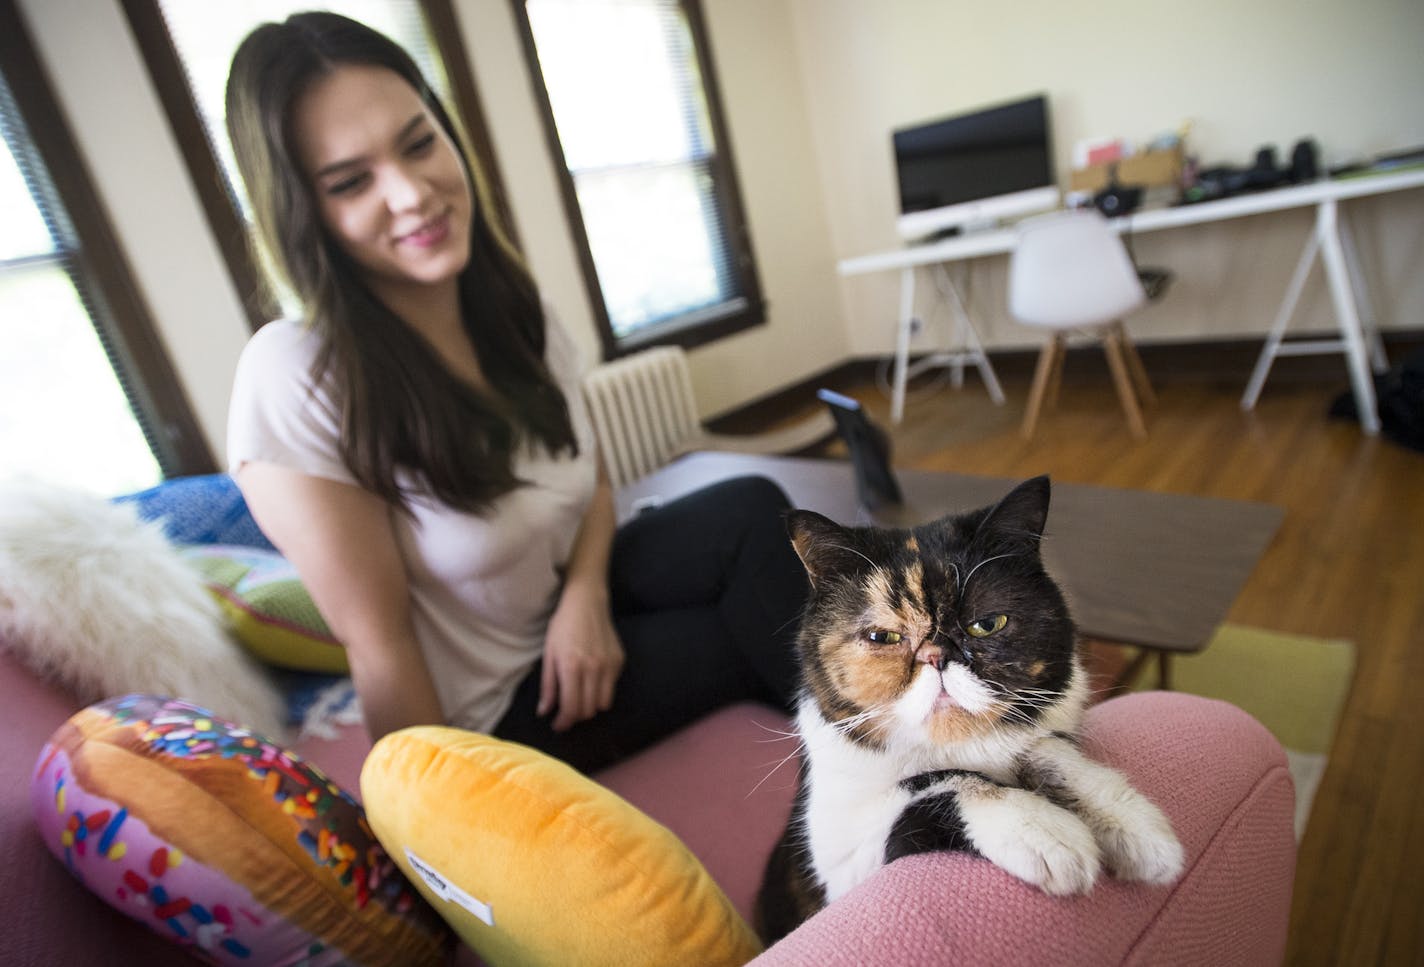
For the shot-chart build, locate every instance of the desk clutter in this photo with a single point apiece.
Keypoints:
(1117, 177)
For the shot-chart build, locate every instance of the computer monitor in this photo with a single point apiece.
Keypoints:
(972, 169)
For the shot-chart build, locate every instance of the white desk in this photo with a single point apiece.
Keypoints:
(1329, 239)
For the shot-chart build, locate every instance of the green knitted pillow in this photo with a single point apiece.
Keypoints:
(267, 607)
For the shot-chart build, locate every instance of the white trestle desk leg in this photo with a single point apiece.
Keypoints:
(960, 340)
(968, 346)
(1337, 274)
(961, 328)
(902, 343)
(1369, 322)
(1278, 328)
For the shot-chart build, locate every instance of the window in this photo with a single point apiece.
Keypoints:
(87, 398)
(631, 108)
(188, 47)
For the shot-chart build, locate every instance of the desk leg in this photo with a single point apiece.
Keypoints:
(959, 343)
(1278, 328)
(1337, 274)
(1368, 320)
(967, 344)
(902, 343)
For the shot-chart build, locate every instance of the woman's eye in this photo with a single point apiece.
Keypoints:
(421, 145)
(884, 637)
(346, 186)
(985, 627)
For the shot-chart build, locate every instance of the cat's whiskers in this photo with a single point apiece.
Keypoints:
(781, 735)
(1017, 705)
(775, 768)
(799, 748)
(987, 560)
(843, 547)
(874, 714)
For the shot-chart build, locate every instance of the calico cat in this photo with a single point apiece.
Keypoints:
(940, 702)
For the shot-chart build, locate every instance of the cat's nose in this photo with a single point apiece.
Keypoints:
(932, 653)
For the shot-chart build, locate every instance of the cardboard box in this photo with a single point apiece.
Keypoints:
(1150, 169)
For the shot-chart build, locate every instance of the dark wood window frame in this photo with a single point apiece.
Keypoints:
(105, 278)
(671, 332)
(164, 66)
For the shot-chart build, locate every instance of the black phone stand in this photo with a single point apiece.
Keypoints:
(869, 447)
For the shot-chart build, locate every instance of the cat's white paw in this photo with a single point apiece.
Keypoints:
(1138, 842)
(1034, 840)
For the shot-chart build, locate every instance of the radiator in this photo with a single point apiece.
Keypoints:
(643, 411)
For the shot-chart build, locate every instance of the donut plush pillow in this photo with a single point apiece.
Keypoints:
(222, 841)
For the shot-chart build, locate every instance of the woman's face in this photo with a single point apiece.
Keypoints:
(391, 187)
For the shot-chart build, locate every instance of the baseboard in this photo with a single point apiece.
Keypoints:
(1204, 361)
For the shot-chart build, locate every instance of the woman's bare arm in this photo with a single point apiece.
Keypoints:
(341, 541)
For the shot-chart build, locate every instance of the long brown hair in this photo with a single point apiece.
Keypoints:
(401, 407)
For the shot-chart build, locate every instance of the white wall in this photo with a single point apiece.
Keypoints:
(812, 89)
(1245, 74)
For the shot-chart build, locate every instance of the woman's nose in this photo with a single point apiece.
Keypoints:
(406, 189)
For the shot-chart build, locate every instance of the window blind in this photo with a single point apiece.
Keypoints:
(70, 410)
(629, 106)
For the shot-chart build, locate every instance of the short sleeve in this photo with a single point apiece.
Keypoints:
(561, 354)
(568, 366)
(277, 415)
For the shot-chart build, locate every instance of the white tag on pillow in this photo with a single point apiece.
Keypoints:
(448, 891)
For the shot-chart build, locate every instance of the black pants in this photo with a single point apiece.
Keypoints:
(706, 594)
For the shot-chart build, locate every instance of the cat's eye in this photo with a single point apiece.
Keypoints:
(884, 637)
(985, 627)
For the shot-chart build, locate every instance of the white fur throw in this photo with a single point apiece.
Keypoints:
(98, 601)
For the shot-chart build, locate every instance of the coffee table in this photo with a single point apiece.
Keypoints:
(1155, 571)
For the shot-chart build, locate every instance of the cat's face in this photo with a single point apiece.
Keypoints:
(940, 634)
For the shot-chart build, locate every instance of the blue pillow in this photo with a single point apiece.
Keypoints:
(206, 509)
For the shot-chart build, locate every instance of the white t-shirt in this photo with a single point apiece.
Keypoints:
(482, 587)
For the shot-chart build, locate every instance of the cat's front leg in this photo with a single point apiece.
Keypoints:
(1136, 838)
(1016, 830)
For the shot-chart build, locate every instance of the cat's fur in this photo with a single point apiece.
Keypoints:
(919, 735)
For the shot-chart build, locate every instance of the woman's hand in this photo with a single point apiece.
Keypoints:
(582, 656)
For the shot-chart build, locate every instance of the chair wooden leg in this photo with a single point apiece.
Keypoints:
(1135, 367)
(1055, 378)
(1112, 345)
(1048, 359)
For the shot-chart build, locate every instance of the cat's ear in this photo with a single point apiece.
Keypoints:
(824, 546)
(1021, 516)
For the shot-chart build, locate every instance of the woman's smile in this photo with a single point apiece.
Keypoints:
(430, 234)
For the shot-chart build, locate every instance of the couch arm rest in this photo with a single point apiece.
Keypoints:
(1218, 775)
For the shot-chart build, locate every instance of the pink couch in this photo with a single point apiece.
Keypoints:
(1217, 773)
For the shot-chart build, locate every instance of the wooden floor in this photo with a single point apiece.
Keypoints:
(1348, 562)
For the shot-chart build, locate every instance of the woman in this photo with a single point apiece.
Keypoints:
(418, 448)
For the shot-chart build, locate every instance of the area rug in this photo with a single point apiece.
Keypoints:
(1294, 685)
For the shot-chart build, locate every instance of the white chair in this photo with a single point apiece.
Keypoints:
(644, 415)
(1070, 272)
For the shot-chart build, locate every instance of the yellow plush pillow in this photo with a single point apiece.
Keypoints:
(534, 864)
